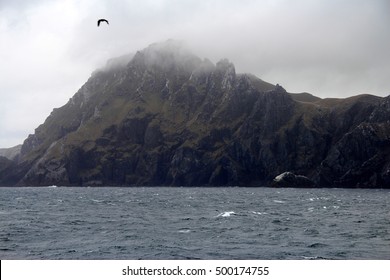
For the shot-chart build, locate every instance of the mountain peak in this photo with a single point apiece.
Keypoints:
(168, 46)
(168, 55)
(228, 71)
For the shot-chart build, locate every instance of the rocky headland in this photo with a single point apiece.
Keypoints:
(169, 118)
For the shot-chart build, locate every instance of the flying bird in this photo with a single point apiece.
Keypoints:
(101, 20)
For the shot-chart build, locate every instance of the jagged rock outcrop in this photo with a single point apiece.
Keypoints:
(359, 159)
(289, 179)
(166, 117)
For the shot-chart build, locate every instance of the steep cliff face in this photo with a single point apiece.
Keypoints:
(361, 158)
(168, 117)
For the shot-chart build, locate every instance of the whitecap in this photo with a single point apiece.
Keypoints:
(279, 201)
(311, 258)
(185, 231)
(226, 214)
(259, 213)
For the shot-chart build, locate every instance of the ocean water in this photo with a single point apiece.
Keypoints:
(194, 223)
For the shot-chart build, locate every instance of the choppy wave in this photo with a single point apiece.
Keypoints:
(194, 223)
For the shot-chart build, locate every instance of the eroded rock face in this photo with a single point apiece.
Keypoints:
(359, 159)
(167, 117)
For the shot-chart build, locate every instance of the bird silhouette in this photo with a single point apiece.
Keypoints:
(101, 20)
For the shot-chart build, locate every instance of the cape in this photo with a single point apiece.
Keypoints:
(165, 117)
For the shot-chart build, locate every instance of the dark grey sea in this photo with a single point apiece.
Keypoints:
(194, 223)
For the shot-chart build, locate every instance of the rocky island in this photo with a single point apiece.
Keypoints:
(169, 118)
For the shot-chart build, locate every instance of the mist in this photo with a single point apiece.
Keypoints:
(49, 49)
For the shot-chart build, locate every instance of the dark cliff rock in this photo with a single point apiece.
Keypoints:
(11, 153)
(359, 159)
(167, 117)
(5, 166)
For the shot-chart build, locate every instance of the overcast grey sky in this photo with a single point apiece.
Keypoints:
(49, 48)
